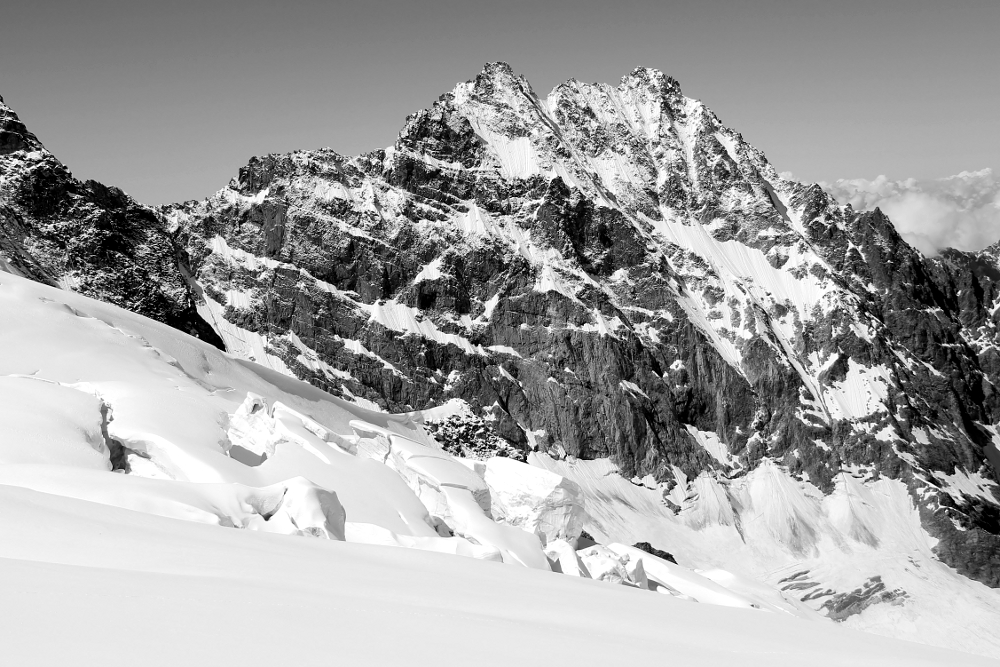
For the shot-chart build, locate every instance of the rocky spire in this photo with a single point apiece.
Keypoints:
(14, 136)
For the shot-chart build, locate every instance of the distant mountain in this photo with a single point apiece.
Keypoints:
(608, 272)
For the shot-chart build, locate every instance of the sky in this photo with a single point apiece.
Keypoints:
(168, 99)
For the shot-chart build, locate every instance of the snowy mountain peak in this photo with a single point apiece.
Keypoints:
(612, 284)
(501, 74)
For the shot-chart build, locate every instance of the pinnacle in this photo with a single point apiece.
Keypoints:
(498, 67)
(640, 75)
(501, 74)
(14, 136)
(500, 78)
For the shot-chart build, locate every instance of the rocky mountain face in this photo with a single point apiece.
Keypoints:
(605, 272)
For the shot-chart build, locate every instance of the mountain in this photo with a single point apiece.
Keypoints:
(613, 272)
(612, 285)
(87, 236)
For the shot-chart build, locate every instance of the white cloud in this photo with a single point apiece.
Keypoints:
(961, 211)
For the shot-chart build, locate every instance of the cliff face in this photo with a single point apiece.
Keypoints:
(606, 272)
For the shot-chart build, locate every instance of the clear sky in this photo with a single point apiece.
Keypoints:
(168, 99)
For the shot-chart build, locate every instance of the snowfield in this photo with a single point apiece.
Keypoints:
(162, 502)
(90, 584)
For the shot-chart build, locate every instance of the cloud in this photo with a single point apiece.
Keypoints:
(961, 211)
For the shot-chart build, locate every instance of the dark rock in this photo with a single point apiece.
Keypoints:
(653, 551)
(841, 606)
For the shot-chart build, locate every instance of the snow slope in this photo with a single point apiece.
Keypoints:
(811, 551)
(168, 592)
(187, 421)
